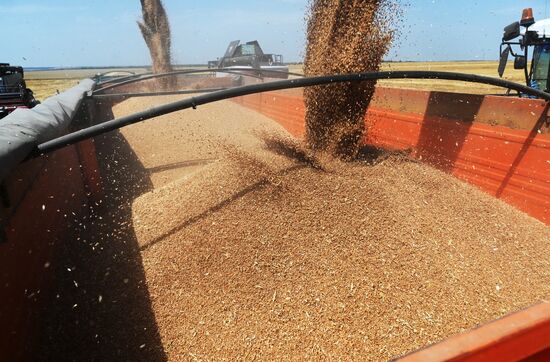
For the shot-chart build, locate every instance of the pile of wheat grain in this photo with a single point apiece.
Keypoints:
(225, 239)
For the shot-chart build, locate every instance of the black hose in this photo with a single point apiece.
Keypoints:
(152, 94)
(133, 76)
(138, 75)
(128, 74)
(162, 75)
(193, 102)
(236, 71)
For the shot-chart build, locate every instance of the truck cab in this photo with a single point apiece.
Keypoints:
(528, 34)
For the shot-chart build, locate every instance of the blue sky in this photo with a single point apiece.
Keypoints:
(104, 32)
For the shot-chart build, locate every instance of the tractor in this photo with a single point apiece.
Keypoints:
(13, 90)
(528, 33)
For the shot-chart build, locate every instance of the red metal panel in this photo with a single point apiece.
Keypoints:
(524, 335)
(90, 170)
(511, 112)
(287, 109)
(510, 164)
(40, 220)
(470, 136)
(48, 197)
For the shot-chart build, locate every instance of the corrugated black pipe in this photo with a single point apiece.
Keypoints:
(193, 102)
(234, 71)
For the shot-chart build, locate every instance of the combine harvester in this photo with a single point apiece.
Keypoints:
(250, 56)
(13, 90)
(499, 143)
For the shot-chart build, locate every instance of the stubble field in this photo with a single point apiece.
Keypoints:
(485, 68)
(48, 83)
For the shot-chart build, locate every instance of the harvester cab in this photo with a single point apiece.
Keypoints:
(13, 90)
(250, 55)
(528, 33)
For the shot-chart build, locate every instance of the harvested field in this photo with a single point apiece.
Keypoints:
(44, 89)
(46, 83)
(220, 238)
(485, 68)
